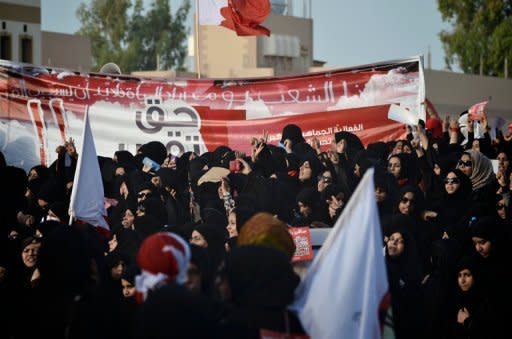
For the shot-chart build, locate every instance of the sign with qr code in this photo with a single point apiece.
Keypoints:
(303, 245)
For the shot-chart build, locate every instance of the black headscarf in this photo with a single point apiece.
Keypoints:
(260, 277)
(292, 132)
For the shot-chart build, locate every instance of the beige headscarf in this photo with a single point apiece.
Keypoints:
(482, 170)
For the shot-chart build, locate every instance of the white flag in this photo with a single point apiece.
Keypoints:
(87, 195)
(340, 294)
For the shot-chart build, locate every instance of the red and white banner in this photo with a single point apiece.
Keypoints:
(42, 107)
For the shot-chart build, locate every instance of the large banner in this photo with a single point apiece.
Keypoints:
(41, 108)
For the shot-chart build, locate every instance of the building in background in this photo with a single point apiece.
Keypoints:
(21, 39)
(288, 50)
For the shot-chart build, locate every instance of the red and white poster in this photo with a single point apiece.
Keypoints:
(41, 107)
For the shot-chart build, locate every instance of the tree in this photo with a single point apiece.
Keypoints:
(125, 33)
(481, 35)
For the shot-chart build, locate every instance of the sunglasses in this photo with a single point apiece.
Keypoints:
(405, 200)
(142, 195)
(452, 181)
(327, 180)
(499, 206)
(467, 163)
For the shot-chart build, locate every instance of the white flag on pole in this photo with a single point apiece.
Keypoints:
(342, 290)
(87, 195)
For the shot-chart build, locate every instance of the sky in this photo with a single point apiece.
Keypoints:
(346, 33)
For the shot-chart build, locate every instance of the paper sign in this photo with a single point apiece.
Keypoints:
(495, 165)
(400, 114)
(303, 247)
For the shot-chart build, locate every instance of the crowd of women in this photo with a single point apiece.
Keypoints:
(199, 245)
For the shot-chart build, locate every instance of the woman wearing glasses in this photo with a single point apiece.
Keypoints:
(478, 168)
(453, 212)
(411, 203)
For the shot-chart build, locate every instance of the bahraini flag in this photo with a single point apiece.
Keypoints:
(242, 16)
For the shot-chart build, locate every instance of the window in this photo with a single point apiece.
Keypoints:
(5, 47)
(26, 49)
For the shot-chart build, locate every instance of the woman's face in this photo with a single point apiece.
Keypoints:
(231, 227)
(305, 210)
(437, 169)
(380, 194)
(357, 170)
(501, 208)
(407, 149)
(120, 171)
(395, 245)
(482, 246)
(406, 204)
(128, 219)
(324, 180)
(193, 282)
(398, 148)
(117, 270)
(465, 165)
(394, 166)
(30, 253)
(503, 161)
(465, 280)
(198, 239)
(305, 171)
(128, 289)
(32, 175)
(476, 145)
(451, 183)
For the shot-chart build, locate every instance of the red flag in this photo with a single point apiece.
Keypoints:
(242, 16)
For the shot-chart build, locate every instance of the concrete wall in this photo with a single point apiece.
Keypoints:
(66, 51)
(453, 93)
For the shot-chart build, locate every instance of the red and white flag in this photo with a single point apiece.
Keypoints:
(345, 287)
(478, 111)
(87, 196)
(242, 16)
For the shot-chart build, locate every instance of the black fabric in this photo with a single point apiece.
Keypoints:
(293, 133)
(262, 284)
(173, 311)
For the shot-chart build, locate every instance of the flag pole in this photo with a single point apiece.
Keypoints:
(198, 60)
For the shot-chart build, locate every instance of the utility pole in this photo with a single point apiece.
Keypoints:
(429, 58)
(481, 64)
(506, 67)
